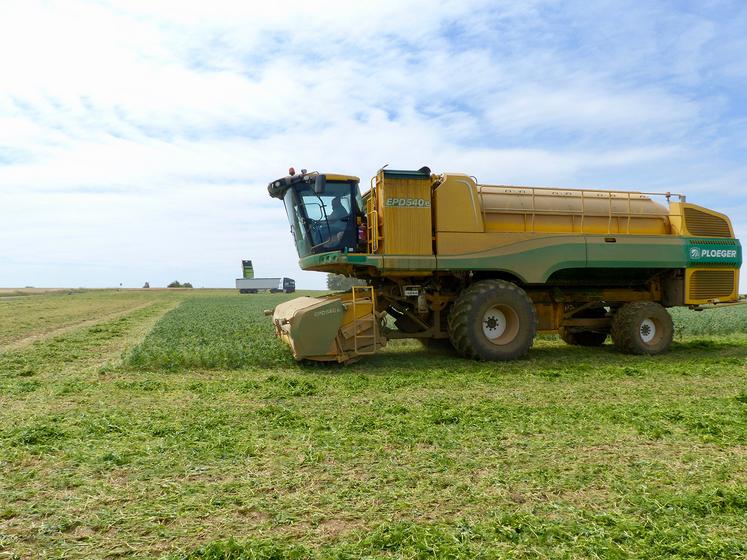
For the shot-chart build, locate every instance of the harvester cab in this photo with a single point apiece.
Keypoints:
(325, 213)
(324, 210)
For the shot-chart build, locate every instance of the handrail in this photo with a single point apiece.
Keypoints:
(373, 231)
(372, 220)
(680, 196)
(575, 212)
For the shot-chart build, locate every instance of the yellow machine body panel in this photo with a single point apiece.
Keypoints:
(711, 285)
(404, 214)
(693, 220)
(457, 205)
(338, 177)
(412, 213)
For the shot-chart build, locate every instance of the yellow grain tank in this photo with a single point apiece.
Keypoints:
(512, 209)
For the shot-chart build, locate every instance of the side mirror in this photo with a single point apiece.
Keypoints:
(319, 184)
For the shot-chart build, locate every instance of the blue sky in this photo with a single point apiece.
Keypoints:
(137, 137)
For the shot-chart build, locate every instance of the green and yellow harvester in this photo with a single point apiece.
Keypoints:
(486, 267)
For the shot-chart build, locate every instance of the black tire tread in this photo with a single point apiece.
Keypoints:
(625, 327)
(458, 320)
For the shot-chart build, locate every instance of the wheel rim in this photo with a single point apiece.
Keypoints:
(500, 324)
(650, 331)
(493, 323)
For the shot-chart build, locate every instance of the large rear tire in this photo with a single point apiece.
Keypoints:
(642, 327)
(585, 338)
(493, 320)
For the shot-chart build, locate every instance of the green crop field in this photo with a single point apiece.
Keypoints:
(173, 424)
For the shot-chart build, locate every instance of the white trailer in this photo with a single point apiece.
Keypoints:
(254, 285)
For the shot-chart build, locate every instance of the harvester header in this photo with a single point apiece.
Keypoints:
(486, 267)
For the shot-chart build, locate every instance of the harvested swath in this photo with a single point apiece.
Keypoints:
(230, 332)
(224, 332)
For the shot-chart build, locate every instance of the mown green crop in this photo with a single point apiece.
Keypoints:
(570, 453)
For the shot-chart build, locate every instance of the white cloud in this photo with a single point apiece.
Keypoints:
(587, 108)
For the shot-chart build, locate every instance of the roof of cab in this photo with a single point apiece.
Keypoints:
(338, 177)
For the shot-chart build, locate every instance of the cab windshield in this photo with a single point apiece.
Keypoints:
(324, 221)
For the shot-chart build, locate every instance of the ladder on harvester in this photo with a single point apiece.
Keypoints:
(364, 306)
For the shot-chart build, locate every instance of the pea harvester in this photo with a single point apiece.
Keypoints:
(487, 267)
